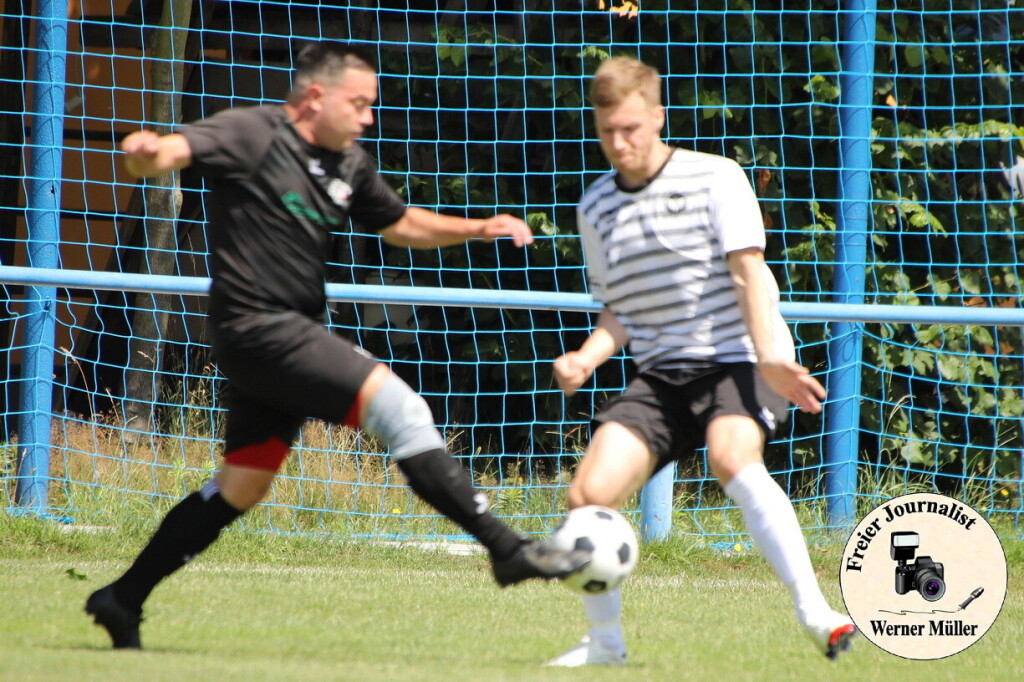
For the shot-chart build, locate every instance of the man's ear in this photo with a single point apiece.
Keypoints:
(659, 116)
(314, 97)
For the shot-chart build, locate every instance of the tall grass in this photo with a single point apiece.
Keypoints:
(339, 481)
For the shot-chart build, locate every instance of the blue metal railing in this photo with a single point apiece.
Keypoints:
(656, 501)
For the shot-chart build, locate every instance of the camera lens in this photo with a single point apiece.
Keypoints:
(930, 585)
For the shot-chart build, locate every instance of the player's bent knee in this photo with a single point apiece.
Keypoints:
(576, 498)
(402, 419)
(606, 492)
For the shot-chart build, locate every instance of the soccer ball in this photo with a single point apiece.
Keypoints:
(610, 538)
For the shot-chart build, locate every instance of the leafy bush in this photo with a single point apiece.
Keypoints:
(762, 87)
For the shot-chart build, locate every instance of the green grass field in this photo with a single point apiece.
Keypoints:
(267, 607)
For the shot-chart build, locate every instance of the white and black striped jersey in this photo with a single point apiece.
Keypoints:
(656, 258)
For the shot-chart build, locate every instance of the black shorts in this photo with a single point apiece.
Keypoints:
(671, 409)
(283, 368)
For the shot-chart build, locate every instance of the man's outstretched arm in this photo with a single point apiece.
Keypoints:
(422, 229)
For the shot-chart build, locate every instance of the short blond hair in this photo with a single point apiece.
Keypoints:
(619, 77)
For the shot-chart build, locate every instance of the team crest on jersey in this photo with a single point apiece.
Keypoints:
(677, 202)
(339, 191)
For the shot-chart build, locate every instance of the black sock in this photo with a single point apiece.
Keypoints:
(189, 528)
(445, 485)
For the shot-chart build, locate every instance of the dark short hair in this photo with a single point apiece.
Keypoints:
(328, 59)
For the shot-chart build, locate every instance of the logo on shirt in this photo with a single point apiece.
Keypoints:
(297, 207)
(315, 168)
(339, 191)
(677, 202)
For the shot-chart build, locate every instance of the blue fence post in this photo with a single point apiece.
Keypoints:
(842, 419)
(656, 505)
(43, 220)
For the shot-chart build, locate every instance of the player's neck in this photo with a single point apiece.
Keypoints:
(657, 159)
(301, 123)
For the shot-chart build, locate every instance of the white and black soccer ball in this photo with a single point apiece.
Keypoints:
(611, 540)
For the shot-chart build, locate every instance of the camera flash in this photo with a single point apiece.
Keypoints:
(905, 539)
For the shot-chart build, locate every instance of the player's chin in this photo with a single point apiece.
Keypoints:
(347, 142)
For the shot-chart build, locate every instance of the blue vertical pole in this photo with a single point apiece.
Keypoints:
(842, 420)
(656, 505)
(43, 219)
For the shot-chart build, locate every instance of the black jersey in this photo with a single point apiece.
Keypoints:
(275, 199)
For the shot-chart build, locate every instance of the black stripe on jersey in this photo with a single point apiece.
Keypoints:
(656, 256)
(649, 293)
(671, 267)
(729, 304)
(719, 282)
(653, 222)
(601, 188)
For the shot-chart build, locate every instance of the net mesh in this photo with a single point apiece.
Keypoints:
(483, 109)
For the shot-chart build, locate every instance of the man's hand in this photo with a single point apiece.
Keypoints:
(794, 383)
(142, 146)
(571, 371)
(148, 154)
(504, 225)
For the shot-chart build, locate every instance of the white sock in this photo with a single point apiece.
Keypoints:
(773, 525)
(604, 612)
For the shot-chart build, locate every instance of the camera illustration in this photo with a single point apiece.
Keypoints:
(924, 575)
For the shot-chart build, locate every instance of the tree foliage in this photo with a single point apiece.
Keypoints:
(506, 111)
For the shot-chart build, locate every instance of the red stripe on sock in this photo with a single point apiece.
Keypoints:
(267, 455)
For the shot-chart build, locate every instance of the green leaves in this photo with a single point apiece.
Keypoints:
(708, 103)
(822, 89)
(943, 227)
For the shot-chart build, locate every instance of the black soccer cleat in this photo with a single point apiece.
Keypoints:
(121, 624)
(535, 559)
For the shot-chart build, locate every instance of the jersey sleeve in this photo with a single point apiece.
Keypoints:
(593, 255)
(735, 215)
(230, 142)
(375, 204)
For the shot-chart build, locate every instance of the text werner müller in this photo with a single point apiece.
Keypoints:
(954, 628)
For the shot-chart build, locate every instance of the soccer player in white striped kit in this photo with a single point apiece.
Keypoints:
(674, 245)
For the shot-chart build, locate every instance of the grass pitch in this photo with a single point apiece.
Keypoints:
(265, 607)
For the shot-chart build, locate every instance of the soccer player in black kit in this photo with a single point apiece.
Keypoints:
(282, 178)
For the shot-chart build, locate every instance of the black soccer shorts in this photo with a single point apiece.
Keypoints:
(283, 368)
(672, 408)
